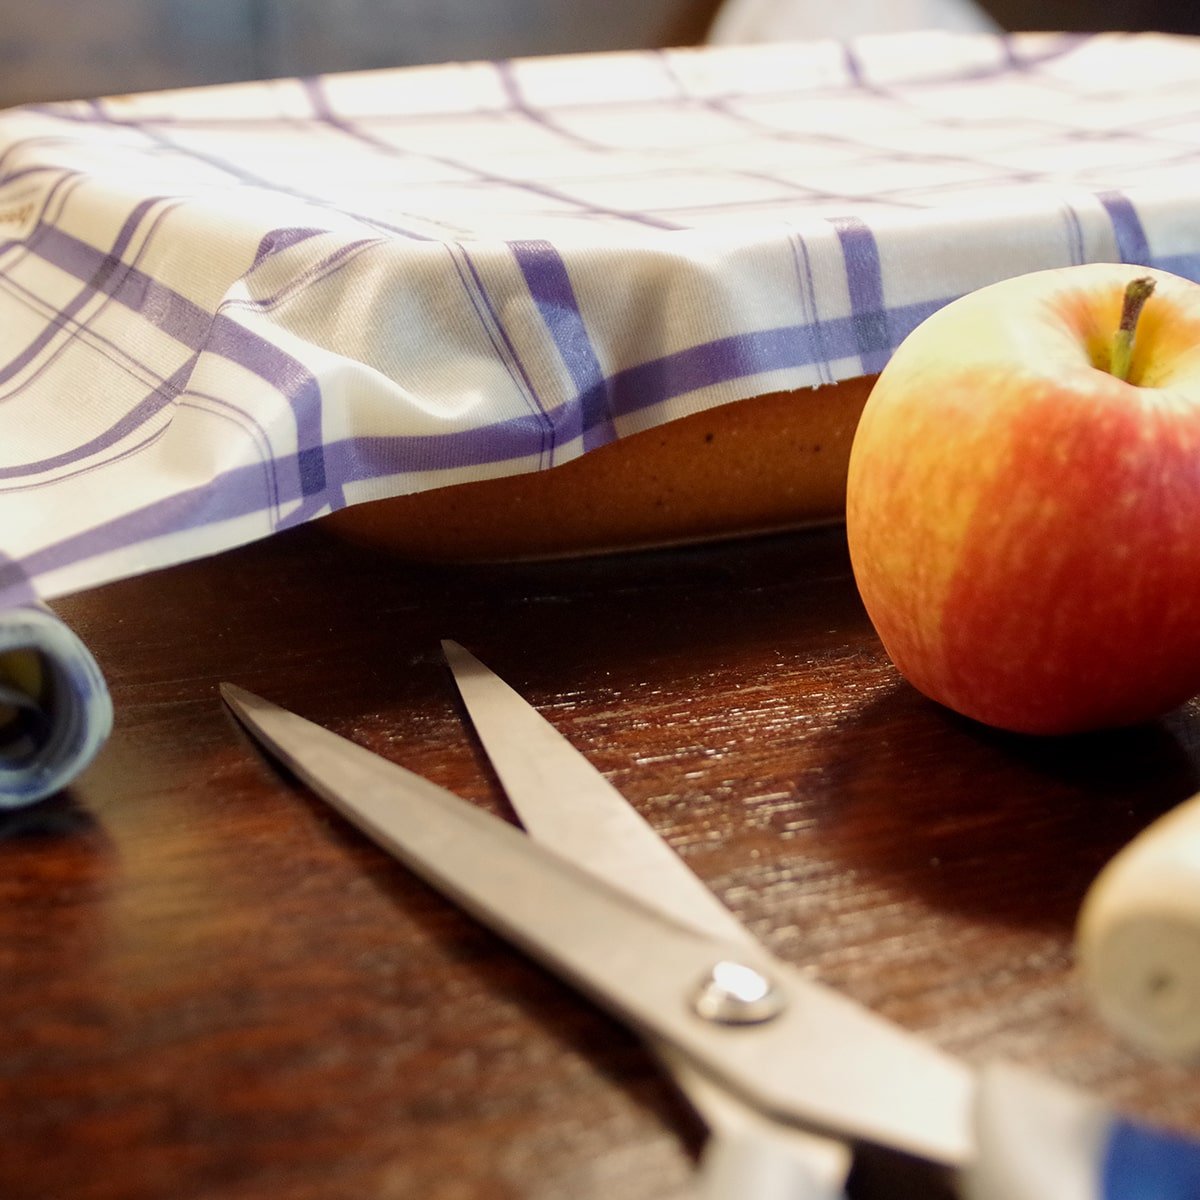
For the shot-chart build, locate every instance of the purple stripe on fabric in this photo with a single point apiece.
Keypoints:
(281, 239)
(199, 331)
(315, 91)
(854, 71)
(245, 490)
(23, 146)
(550, 286)
(246, 423)
(1132, 244)
(305, 511)
(51, 195)
(105, 346)
(233, 494)
(744, 355)
(92, 464)
(242, 490)
(214, 406)
(864, 278)
(105, 267)
(37, 169)
(156, 136)
(373, 457)
(1185, 265)
(234, 342)
(15, 588)
(323, 110)
(185, 321)
(626, 392)
(64, 319)
(477, 293)
(299, 281)
(629, 391)
(116, 355)
(1075, 238)
(808, 299)
(159, 398)
(508, 82)
(701, 366)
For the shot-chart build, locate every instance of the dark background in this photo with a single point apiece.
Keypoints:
(56, 49)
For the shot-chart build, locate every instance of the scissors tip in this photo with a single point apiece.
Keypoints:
(455, 651)
(236, 697)
(462, 663)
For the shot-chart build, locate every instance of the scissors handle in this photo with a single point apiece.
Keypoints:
(1040, 1140)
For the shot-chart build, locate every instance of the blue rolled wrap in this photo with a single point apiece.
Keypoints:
(55, 710)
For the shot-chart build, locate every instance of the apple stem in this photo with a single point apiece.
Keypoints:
(1137, 292)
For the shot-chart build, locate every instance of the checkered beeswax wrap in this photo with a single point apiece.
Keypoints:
(225, 311)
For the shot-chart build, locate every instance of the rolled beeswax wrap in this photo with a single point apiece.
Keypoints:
(55, 711)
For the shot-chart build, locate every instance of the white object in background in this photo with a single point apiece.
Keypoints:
(742, 21)
(1139, 937)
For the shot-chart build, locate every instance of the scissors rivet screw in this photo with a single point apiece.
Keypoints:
(735, 994)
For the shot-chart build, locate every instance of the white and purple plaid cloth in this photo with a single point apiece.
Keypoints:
(225, 311)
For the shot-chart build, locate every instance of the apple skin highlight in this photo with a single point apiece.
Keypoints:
(1024, 527)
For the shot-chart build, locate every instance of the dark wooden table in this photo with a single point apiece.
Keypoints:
(212, 987)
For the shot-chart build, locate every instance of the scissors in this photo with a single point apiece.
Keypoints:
(798, 1085)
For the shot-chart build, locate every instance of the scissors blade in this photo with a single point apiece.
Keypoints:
(821, 1061)
(567, 804)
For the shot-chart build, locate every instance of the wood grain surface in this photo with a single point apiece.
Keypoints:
(212, 987)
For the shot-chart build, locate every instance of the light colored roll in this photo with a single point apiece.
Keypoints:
(1138, 939)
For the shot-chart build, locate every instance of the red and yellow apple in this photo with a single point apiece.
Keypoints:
(1023, 521)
